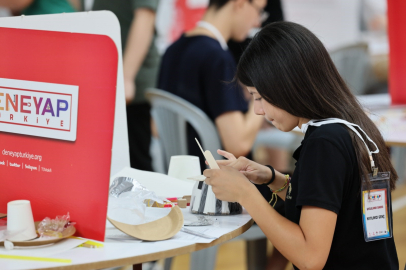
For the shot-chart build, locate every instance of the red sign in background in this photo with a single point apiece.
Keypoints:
(186, 19)
(77, 175)
(397, 55)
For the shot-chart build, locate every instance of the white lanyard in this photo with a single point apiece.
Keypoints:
(215, 32)
(350, 126)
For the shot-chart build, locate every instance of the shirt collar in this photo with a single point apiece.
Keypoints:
(309, 131)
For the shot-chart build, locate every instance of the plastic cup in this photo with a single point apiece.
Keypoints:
(184, 166)
(20, 221)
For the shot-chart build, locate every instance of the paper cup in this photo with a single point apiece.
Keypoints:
(182, 167)
(20, 222)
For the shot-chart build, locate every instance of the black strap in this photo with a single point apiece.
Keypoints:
(273, 175)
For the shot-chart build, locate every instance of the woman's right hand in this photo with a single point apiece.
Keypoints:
(255, 172)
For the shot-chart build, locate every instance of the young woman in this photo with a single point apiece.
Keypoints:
(292, 79)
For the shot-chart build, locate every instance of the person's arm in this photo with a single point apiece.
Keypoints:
(306, 245)
(139, 40)
(238, 130)
(15, 5)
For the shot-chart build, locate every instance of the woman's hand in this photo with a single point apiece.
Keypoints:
(228, 184)
(255, 172)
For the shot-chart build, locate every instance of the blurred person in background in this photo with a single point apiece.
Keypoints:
(198, 66)
(272, 13)
(374, 23)
(38, 7)
(374, 17)
(141, 64)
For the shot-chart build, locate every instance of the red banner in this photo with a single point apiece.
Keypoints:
(397, 45)
(57, 102)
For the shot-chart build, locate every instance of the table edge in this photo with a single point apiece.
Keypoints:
(157, 255)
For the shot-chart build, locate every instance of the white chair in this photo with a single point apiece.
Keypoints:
(353, 64)
(171, 114)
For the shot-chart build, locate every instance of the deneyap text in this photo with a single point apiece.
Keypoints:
(35, 108)
(38, 109)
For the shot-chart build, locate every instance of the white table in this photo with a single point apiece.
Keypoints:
(118, 253)
(391, 121)
(124, 252)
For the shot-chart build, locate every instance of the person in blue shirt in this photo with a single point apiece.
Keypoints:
(198, 66)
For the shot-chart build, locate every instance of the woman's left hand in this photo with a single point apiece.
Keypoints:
(228, 184)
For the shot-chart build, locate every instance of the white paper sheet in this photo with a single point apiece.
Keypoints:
(187, 237)
(61, 246)
(221, 225)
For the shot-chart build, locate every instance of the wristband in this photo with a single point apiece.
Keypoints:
(287, 183)
(273, 175)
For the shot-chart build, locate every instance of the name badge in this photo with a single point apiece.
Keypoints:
(375, 214)
(376, 210)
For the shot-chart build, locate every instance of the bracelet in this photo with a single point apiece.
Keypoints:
(273, 175)
(274, 196)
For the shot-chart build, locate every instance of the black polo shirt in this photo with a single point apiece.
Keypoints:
(197, 69)
(326, 176)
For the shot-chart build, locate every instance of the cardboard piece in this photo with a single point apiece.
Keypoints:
(182, 203)
(161, 205)
(209, 157)
(161, 229)
(203, 195)
(3, 215)
(197, 178)
(188, 198)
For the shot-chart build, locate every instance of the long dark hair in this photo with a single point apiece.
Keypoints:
(291, 69)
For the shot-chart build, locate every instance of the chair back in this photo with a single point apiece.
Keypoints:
(171, 114)
(353, 64)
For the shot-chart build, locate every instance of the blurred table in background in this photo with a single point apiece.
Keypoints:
(391, 121)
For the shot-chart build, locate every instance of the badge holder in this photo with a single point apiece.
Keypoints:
(376, 207)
